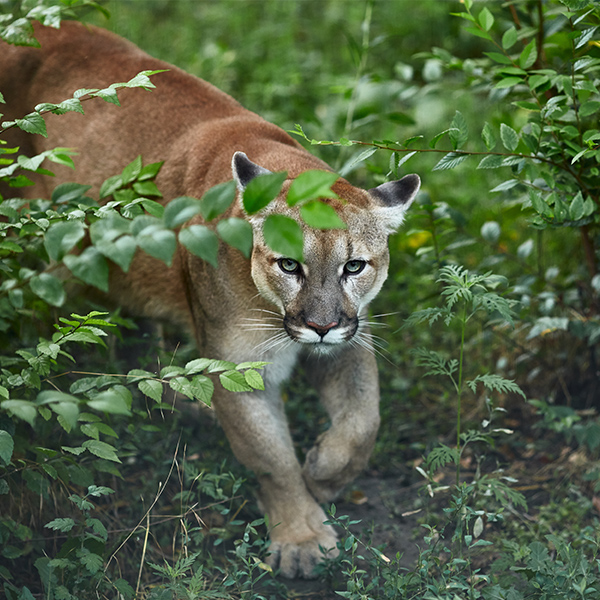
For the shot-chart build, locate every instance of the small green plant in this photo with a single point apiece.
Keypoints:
(466, 295)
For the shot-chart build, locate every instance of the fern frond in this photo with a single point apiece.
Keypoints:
(496, 383)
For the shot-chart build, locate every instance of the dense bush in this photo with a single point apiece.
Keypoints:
(501, 120)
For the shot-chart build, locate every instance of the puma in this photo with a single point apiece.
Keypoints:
(271, 307)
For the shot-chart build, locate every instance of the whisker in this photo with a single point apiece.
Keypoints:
(374, 339)
(266, 310)
(374, 324)
(370, 346)
(390, 314)
(271, 342)
(262, 320)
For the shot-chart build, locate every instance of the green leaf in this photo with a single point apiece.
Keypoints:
(589, 108)
(7, 446)
(98, 528)
(495, 383)
(449, 161)
(90, 560)
(149, 171)
(64, 525)
(284, 236)
(479, 33)
(528, 55)
(217, 200)
(116, 400)
(438, 137)
(109, 227)
(234, 381)
(203, 389)
(490, 231)
(525, 249)
(70, 192)
(539, 204)
(48, 288)
(261, 190)
(492, 161)
(180, 210)
(256, 364)
(254, 379)
(67, 414)
(356, 160)
(147, 189)
(20, 33)
(585, 37)
(202, 242)
(237, 233)
(159, 243)
(220, 365)
(121, 251)
(312, 185)
(499, 58)
(110, 186)
(486, 19)
(459, 131)
(151, 388)
(197, 365)
(109, 95)
(131, 171)
(488, 136)
(124, 589)
(509, 38)
(508, 82)
(527, 105)
(61, 237)
(32, 123)
(509, 137)
(441, 456)
(89, 266)
(536, 81)
(576, 210)
(23, 409)
(319, 215)
(101, 449)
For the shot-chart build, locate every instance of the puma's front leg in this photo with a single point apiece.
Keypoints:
(257, 430)
(348, 384)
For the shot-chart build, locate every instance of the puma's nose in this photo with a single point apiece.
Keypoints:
(321, 329)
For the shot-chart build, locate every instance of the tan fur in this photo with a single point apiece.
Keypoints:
(233, 311)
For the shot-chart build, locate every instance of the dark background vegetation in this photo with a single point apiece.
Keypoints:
(384, 71)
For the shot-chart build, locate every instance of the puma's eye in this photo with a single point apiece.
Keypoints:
(354, 267)
(289, 265)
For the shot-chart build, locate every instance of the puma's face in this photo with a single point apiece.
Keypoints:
(322, 300)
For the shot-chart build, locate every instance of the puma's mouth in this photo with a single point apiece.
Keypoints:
(321, 336)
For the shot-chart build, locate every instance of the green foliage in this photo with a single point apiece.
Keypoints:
(16, 27)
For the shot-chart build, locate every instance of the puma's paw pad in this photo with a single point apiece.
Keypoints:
(300, 560)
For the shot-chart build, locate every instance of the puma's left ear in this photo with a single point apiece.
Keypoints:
(244, 170)
(394, 198)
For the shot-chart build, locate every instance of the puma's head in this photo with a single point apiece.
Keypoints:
(323, 299)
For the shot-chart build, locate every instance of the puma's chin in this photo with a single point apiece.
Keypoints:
(325, 348)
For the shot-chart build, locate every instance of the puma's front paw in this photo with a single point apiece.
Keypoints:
(334, 461)
(300, 559)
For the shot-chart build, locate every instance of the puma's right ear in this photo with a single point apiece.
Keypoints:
(244, 170)
(394, 198)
